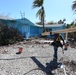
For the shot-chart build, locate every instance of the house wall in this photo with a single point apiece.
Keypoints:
(28, 29)
(34, 31)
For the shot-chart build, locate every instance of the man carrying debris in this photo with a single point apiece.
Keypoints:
(56, 43)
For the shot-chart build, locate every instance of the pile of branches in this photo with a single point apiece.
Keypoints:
(9, 35)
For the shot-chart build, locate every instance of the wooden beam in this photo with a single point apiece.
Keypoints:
(68, 30)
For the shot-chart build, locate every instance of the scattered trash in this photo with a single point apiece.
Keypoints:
(62, 67)
(20, 50)
(66, 46)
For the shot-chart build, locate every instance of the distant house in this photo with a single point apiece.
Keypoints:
(29, 29)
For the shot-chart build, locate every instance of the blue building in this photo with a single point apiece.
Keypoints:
(29, 29)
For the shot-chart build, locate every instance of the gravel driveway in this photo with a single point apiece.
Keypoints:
(34, 59)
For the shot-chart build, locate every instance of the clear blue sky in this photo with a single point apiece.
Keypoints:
(55, 9)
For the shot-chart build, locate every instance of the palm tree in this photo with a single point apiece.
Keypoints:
(41, 12)
(74, 5)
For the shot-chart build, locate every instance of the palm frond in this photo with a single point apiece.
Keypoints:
(38, 14)
(74, 5)
(37, 3)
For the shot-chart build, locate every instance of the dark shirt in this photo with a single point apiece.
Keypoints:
(57, 39)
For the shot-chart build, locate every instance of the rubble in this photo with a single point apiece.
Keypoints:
(32, 61)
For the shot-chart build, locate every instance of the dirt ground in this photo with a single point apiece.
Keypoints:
(36, 59)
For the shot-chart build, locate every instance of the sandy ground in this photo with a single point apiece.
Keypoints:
(34, 59)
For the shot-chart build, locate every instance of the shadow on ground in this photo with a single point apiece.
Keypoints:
(52, 65)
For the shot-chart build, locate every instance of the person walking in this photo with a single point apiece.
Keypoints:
(56, 43)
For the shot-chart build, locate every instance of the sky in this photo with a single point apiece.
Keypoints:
(54, 9)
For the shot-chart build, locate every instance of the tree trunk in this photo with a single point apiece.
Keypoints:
(42, 20)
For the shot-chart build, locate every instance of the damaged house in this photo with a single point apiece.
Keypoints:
(29, 29)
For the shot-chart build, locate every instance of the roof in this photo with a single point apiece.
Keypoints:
(25, 21)
(53, 25)
(67, 30)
